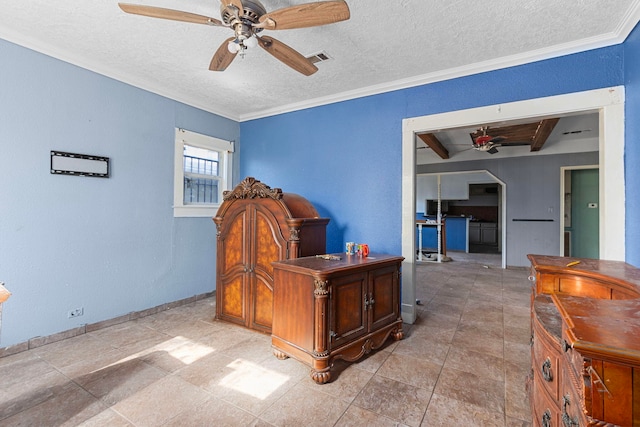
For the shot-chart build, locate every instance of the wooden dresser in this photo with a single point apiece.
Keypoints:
(330, 309)
(257, 225)
(585, 342)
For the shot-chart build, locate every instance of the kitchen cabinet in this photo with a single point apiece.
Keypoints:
(483, 233)
(474, 233)
(585, 349)
(257, 225)
(342, 307)
(455, 237)
(488, 233)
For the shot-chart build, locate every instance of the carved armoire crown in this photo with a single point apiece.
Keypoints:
(257, 225)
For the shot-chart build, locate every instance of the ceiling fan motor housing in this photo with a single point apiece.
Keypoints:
(482, 140)
(243, 26)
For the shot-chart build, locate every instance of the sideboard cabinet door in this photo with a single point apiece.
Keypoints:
(347, 313)
(384, 296)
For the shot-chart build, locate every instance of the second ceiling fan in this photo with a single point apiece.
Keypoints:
(247, 19)
(482, 141)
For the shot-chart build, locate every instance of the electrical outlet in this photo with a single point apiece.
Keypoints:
(76, 312)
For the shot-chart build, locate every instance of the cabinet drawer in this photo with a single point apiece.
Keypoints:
(581, 286)
(546, 365)
(546, 356)
(546, 412)
(546, 283)
(571, 401)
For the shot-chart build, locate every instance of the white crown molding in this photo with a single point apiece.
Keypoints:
(628, 23)
(452, 73)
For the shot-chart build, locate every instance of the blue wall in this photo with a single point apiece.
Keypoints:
(346, 157)
(111, 245)
(632, 146)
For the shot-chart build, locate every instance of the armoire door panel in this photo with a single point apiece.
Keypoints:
(233, 243)
(262, 295)
(232, 296)
(270, 244)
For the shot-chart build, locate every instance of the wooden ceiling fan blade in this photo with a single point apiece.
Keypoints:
(287, 55)
(238, 5)
(173, 15)
(305, 15)
(222, 58)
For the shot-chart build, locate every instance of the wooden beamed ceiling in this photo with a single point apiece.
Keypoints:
(534, 134)
(433, 143)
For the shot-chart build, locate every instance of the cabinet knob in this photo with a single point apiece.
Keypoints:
(545, 421)
(565, 346)
(547, 373)
(368, 301)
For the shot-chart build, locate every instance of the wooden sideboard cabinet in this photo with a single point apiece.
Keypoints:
(585, 342)
(330, 309)
(257, 225)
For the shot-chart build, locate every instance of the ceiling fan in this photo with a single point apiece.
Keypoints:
(247, 19)
(482, 141)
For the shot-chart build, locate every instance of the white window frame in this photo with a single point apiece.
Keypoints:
(225, 148)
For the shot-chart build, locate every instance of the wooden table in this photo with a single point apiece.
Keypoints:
(443, 234)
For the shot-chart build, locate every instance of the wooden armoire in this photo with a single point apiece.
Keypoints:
(257, 225)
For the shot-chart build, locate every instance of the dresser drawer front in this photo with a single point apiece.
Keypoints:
(546, 361)
(583, 287)
(572, 410)
(546, 412)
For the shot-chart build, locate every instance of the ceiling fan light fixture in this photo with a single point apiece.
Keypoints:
(250, 42)
(234, 47)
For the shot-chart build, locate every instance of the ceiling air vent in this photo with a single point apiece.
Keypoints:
(319, 57)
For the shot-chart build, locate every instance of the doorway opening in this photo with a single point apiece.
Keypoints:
(580, 211)
(483, 206)
(608, 103)
(472, 209)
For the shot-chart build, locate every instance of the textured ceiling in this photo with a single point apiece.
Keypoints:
(384, 46)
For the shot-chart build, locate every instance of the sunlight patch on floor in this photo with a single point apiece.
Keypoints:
(180, 348)
(252, 379)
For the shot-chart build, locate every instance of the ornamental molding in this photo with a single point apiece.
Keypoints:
(251, 188)
(321, 288)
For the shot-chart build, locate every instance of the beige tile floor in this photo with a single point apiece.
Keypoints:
(463, 363)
